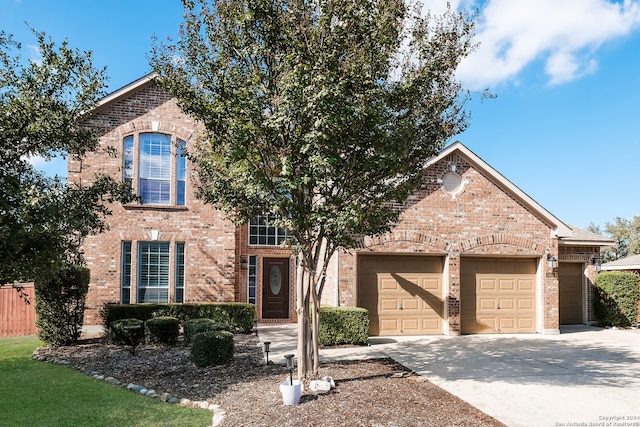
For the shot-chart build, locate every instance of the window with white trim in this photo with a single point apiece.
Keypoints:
(153, 267)
(157, 177)
(153, 272)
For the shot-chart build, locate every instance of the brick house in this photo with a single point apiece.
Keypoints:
(472, 253)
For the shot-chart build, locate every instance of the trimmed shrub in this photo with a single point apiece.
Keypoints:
(240, 316)
(60, 302)
(212, 348)
(162, 330)
(343, 325)
(195, 326)
(616, 298)
(126, 332)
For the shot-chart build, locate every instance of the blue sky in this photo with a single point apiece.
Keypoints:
(565, 126)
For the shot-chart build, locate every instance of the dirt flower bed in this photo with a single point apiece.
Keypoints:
(376, 392)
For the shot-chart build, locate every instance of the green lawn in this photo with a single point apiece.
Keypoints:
(42, 394)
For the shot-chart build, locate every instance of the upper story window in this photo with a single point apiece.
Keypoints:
(159, 180)
(261, 233)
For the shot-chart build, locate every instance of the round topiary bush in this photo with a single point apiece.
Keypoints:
(162, 330)
(212, 348)
(126, 332)
(195, 326)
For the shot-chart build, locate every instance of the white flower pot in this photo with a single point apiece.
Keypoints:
(291, 392)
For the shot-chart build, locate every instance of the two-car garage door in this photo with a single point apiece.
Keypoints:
(405, 294)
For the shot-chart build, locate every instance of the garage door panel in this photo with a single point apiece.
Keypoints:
(498, 295)
(487, 303)
(431, 284)
(526, 285)
(408, 295)
(488, 285)
(506, 303)
(410, 304)
(506, 285)
(526, 323)
(388, 284)
(410, 325)
(387, 304)
(526, 304)
(433, 324)
(507, 323)
(387, 326)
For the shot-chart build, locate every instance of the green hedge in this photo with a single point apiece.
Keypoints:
(195, 326)
(60, 303)
(343, 325)
(240, 316)
(616, 298)
(161, 330)
(212, 348)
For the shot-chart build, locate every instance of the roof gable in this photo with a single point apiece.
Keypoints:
(565, 233)
(125, 91)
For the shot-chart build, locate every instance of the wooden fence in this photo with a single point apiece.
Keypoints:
(17, 311)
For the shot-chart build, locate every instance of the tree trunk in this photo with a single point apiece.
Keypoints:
(303, 318)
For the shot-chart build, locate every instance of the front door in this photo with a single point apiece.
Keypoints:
(275, 288)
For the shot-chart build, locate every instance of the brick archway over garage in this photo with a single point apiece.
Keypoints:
(404, 238)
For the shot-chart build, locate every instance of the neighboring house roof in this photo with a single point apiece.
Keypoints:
(566, 234)
(629, 263)
(584, 237)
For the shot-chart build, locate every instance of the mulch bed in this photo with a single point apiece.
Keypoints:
(377, 392)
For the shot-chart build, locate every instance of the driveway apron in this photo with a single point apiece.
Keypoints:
(585, 376)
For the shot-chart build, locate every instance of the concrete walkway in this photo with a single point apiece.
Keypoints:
(584, 376)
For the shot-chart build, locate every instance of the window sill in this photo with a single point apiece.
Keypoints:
(169, 208)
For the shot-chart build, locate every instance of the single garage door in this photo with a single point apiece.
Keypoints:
(498, 295)
(570, 281)
(402, 293)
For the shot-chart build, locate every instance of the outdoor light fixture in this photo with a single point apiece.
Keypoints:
(553, 262)
(266, 345)
(596, 261)
(244, 263)
(289, 358)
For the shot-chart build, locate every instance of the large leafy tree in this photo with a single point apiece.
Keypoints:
(42, 101)
(626, 234)
(319, 114)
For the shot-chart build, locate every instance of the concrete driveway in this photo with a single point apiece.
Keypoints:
(585, 376)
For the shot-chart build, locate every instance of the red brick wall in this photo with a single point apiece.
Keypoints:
(481, 220)
(210, 245)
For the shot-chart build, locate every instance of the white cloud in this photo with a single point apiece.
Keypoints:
(563, 34)
(36, 161)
